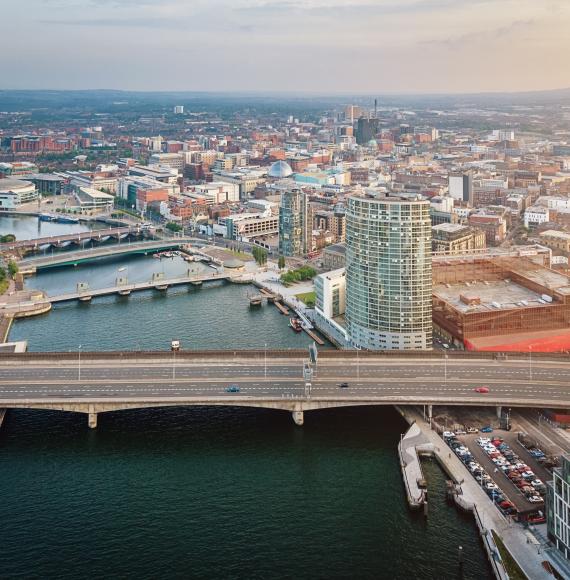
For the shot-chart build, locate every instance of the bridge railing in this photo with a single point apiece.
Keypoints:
(324, 354)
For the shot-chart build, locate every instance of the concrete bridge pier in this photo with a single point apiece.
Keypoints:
(92, 420)
(499, 411)
(430, 414)
(298, 417)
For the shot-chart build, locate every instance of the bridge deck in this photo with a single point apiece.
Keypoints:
(138, 286)
(80, 256)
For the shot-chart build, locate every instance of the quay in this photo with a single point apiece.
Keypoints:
(469, 497)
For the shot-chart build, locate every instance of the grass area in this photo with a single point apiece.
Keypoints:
(513, 569)
(242, 256)
(308, 298)
(4, 286)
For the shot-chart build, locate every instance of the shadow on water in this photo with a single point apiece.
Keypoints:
(220, 492)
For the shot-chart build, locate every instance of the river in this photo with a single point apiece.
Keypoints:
(209, 492)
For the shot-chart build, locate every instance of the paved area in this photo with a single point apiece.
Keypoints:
(388, 380)
(503, 482)
(410, 463)
(513, 535)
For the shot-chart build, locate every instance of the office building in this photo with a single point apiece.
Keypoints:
(295, 228)
(179, 110)
(558, 506)
(388, 273)
(461, 186)
(448, 238)
(366, 130)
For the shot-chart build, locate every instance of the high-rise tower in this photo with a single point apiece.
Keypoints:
(295, 224)
(388, 273)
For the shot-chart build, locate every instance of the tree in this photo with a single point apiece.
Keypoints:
(259, 255)
(12, 268)
(281, 262)
(173, 227)
(2, 274)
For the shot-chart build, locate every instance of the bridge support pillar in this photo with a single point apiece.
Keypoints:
(92, 420)
(430, 414)
(298, 417)
(499, 411)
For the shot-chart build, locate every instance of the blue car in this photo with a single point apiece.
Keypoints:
(486, 430)
(232, 389)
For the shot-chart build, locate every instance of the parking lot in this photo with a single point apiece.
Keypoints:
(499, 476)
(512, 478)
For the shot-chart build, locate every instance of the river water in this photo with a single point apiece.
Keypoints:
(208, 492)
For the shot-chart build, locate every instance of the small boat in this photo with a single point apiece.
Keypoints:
(295, 324)
(67, 220)
(46, 217)
(175, 345)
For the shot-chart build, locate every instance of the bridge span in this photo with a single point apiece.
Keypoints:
(75, 238)
(75, 258)
(94, 383)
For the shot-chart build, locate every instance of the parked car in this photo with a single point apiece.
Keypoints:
(487, 429)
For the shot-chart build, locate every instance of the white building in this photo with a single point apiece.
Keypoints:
(218, 191)
(15, 192)
(330, 303)
(172, 160)
(536, 215)
(89, 198)
(179, 110)
(161, 173)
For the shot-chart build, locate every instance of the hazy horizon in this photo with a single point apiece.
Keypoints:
(311, 46)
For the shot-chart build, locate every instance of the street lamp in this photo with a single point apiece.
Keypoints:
(79, 363)
(530, 361)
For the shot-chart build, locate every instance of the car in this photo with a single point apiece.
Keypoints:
(535, 499)
(343, 386)
(481, 389)
(232, 389)
(472, 430)
(487, 429)
(460, 432)
(448, 434)
(506, 504)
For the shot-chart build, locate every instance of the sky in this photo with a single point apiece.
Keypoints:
(321, 46)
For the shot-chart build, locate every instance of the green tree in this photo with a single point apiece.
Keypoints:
(2, 274)
(12, 268)
(173, 227)
(281, 262)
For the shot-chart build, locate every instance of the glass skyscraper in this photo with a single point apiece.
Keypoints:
(294, 223)
(388, 273)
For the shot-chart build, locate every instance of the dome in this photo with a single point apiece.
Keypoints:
(372, 143)
(279, 170)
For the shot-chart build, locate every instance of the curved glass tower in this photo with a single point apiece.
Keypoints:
(388, 273)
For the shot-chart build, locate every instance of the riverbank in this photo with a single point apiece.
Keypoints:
(470, 497)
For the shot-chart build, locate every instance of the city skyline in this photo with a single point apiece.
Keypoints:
(428, 46)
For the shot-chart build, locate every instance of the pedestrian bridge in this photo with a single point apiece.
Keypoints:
(94, 383)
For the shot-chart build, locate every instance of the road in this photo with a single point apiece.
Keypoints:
(389, 381)
(101, 252)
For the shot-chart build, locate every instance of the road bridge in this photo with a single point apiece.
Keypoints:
(75, 258)
(94, 383)
(75, 238)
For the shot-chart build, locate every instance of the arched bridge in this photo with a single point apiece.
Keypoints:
(95, 383)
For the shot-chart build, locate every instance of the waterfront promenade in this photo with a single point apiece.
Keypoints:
(526, 552)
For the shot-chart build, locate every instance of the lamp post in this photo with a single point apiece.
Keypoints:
(174, 364)
(79, 363)
(530, 361)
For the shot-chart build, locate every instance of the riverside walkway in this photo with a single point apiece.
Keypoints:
(514, 536)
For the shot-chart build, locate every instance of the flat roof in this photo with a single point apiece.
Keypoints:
(494, 296)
